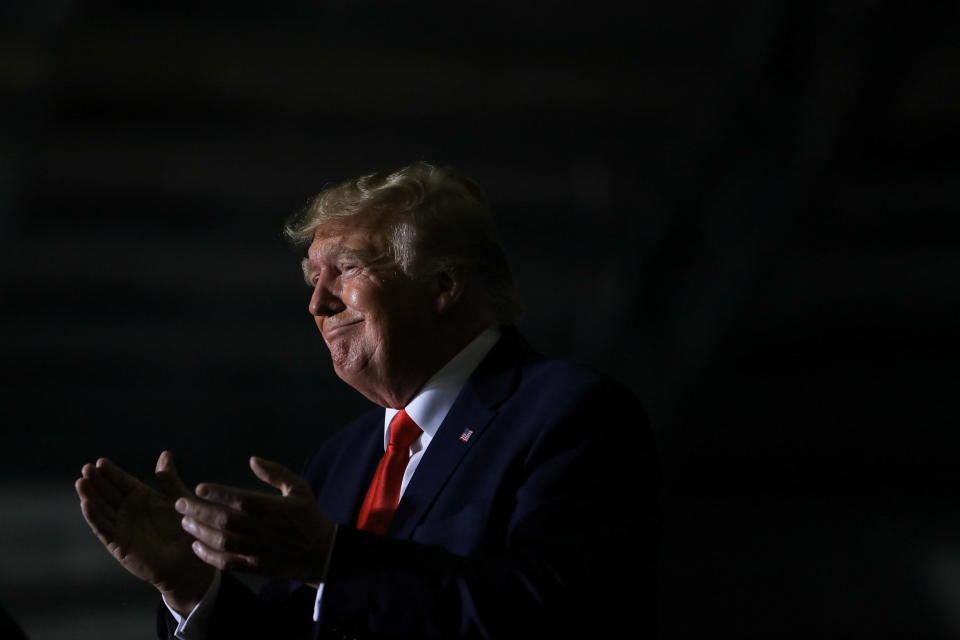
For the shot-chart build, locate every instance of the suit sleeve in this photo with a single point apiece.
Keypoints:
(281, 610)
(580, 523)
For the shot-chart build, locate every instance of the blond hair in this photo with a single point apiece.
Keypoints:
(439, 218)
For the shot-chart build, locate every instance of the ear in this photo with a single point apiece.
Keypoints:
(449, 282)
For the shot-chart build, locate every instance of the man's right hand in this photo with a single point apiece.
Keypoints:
(141, 529)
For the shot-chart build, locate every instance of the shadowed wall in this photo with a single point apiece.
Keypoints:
(745, 211)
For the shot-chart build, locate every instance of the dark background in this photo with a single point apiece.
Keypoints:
(747, 211)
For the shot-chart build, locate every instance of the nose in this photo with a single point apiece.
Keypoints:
(325, 299)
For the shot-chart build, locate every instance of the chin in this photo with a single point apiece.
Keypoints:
(351, 370)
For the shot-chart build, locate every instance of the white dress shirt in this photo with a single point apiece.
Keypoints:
(428, 409)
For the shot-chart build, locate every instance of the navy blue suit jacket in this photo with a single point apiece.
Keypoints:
(542, 521)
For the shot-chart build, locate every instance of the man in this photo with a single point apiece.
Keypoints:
(493, 493)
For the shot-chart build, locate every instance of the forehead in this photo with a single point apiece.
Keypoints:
(362, 236)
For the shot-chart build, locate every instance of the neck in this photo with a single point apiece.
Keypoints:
(444, 345)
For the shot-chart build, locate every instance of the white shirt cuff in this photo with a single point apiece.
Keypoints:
(194, 626)
(326, 568)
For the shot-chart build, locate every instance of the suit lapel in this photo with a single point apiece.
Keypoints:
(352, 473)
(474, 409)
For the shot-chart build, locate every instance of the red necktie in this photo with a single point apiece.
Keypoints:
(384, 492)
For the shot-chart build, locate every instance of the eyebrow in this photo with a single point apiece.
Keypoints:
(335, 253)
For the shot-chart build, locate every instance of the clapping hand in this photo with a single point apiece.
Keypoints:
(279, 536)
(141, 529)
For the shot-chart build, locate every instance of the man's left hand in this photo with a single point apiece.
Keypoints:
(279, 536)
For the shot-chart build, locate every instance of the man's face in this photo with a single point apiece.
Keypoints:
(371, 315)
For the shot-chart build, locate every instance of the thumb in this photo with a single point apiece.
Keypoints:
(166, 473)
(278, 476)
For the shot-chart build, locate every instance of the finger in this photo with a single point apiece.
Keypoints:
(252, 502)
(120, 479)
(88, 493)
(224, 561)
(168, 479)
(214, 515)
(277, 475)
(218, 539)
(100, 522)
(98, 484)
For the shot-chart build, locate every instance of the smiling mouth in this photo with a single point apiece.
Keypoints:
(328, 333)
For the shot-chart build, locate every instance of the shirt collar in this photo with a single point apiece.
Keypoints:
(433, 402)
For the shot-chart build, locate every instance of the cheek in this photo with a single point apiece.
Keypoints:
(353, 297)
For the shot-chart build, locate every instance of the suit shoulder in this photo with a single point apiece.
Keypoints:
(360, 425)
(334, 446)
(564, 406)
(552, 393)
(558, 379)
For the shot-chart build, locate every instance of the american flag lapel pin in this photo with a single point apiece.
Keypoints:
(465, 436)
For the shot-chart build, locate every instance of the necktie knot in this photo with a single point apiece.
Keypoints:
(403, 430)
